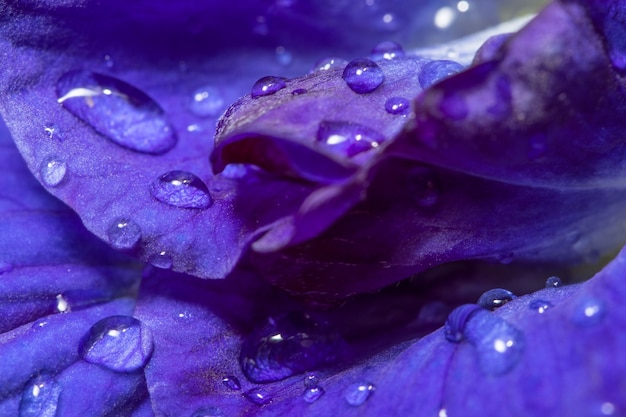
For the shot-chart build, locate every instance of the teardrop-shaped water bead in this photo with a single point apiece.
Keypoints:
(161, 260)
(454, 329)
(258, 396)
(207, 101)
(181, 189)
(495, 298)
(117, 110)
(436, 71)
(231, 382)
(357, 394)
(553, 282)
(312, 394)
(267, 86)
(118, 343)
(588, 311)
(124, 234)
(327, 64)
(387, 50)
(40, 397)
(348, 139)
(539, 306)
(287, 345)
(53, 171)
(363, 75)
(397, 105)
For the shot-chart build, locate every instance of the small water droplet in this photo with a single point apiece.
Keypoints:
(311, 380)
(553, 282)
(588, 311)
(283, 56)
(397, 105)
(124, 234)
(208, 411)
(539, 305)
(267, 86)
(327, 64)
(312, 394)
(53, 171)
(387, 50)
(161, 260)
(299, 92)
(363, 75)
(348, 138)
(53, 132)
(423, 186)
(454, 330)
(436, 71)
(40, 397)
(287, 345)
(231, 382)
(495, 298)
(181, 189)
(118, 343)
(61, 304)
(358, 393)
(117, 110)
(5, 267)
(207, 101)
(258, 396)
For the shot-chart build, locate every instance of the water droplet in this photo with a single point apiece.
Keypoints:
(208, 411)
(387, 50)
(454, 330)
(363, 75)
(40, 397)
(436, 71)
(267, 86)
(117, 110)
(283, 56)
(423, 186)
(124, 234)
(53, 132)
(358, 393)
(299, 92)
(181, 189)
(258, 396)
(495, 298)
(539, 305)
(161, 260)
(119, 343)
(207, 101)
(397, 105)
(553, 282)
(327, 64)
(5, 267)
(287, 345)
(53, 171)
(588, 311)
(61, 304)
(312, 394)
(311, 380)
(231, 382)
(348, 138)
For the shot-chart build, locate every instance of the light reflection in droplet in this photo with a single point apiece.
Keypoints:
(444, 17)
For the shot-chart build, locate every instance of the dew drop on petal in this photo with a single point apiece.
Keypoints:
(311, 380)
(118, 343)
(299, 92)
(387, 50)
(327, 64)
(117, 110)
(207, 101)
(588, 311)
(397, 105)
(231, 382)
(53, 171)
(312, 394)
(363, 75)
(61, 304)
(348, 138)
(124, 234)
(181, 189)
(289, 344)
(208, 411)
(539, 306)
(454, 329)
(258, 396)
(553, 282)
(495, 298)
(436, 71)
(40, 397)
(267, 86)
(161, 260)
(356, 394)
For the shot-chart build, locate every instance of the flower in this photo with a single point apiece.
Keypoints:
(328, 186)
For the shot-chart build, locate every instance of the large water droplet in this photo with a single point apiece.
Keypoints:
(539, 306)
(436, 71)
(207, 101)
(119, 343)
(258, 396)
(53, 171)
(312, 394)
(357, 394)
(231, 382)
(327, 64)
(397, 105)
(495, 298)
(553, 282)
(161, 260)
(454, 330)
(40, 397)
(348, 138)
(287, 345)
(363, 75)
(267, 86)
(588, 311)
(181, 189)
(208, 411)
(387, 50)
(117, 110)
(124, 234)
